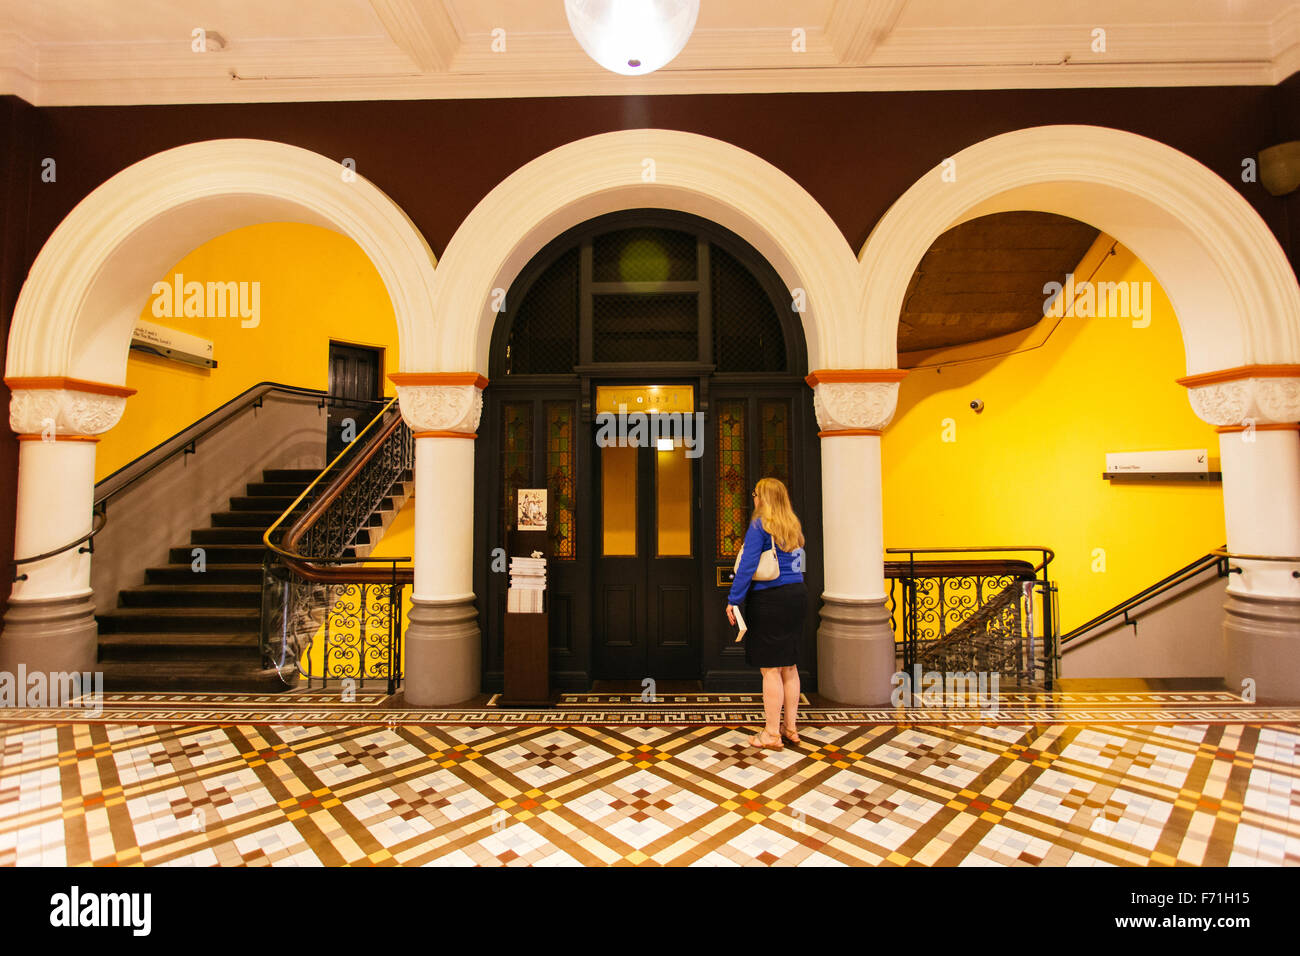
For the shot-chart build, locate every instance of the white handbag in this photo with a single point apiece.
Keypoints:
(768, 569)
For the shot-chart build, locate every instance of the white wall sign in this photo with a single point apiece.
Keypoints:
(169, 343)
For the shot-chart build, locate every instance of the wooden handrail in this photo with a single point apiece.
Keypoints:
(954, 568)
(1047, 553)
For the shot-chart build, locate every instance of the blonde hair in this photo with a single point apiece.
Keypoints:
(772, 507)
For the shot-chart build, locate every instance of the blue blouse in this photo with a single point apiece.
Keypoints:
(756, 542)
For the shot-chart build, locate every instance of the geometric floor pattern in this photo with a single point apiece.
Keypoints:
(1000, 794)
(364, 709)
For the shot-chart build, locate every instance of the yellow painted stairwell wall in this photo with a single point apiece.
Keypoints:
(1028, 469)
(316, 286)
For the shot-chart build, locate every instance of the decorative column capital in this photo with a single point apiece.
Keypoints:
(1246, 396)
(854, 401)
(440, 404)
(57, 408)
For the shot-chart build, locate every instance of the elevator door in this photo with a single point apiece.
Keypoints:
(646, 608)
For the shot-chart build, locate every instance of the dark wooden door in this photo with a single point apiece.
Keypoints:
(646, 606)
(354, 393)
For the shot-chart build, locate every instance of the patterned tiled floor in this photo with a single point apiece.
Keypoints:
(998, 794)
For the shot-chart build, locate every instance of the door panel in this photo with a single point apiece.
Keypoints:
(647, 577)
(353, 388)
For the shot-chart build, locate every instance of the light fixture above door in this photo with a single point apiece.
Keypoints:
(632, 37)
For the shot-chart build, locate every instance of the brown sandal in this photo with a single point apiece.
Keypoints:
(756, 741)
(791, 737)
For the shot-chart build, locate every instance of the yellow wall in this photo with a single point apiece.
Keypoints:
(316, 285)
(1027, 470)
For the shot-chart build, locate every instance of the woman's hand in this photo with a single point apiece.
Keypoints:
(731, 614)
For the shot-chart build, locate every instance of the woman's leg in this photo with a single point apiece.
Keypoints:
(790, 693)
(773, 697)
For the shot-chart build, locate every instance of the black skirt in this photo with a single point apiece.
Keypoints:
(776, 619)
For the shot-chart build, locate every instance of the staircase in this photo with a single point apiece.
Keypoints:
(186, 630)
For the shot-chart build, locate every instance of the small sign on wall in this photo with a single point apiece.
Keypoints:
(1138, 462)
(171, 344)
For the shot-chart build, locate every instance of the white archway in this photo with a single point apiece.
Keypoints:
(93, 276)
(1237, 302)
(1231, 286)
(653, 168)
(71, 334)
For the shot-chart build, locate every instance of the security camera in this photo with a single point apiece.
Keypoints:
(977, 406)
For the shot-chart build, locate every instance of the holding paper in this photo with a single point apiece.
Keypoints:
(740, 622)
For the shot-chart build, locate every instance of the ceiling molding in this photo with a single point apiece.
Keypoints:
(856, 27)
(423, 31)
(18, 66)
(1286, 44)
(419, 50)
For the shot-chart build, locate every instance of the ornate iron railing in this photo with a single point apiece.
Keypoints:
(329, 614)
(975, 614)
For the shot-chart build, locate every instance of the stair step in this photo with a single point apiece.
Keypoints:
(261, 502)
(219, 553)
(173, 619)
(145, 646)
(305, 476)
(226, 535)
(192, 594)
(183, 574)
(275, 488)
(233, 676)
(244, 519)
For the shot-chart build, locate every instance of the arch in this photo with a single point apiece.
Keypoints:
(765, 277)
(639, 169)
(75, 312)
(1230, 283)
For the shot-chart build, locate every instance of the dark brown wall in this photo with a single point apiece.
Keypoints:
(16, 132)
(1287, 128)
(855, 152)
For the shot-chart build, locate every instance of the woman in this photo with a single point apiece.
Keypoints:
(776, 610)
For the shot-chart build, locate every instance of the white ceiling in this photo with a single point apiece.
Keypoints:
(76, 52)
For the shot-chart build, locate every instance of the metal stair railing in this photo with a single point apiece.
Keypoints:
(319, 601)
(976, 613)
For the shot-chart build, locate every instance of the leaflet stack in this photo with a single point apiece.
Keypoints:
(527, 585)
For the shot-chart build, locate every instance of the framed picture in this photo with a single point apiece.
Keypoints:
(531, 510)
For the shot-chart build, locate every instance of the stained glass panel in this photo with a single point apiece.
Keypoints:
(774, 440)
(516, 456)
(733, 489)
(559, 477)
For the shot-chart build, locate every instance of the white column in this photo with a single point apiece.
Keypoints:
(442, 641)
(853, 514)
(855, 644)
(444, 518)
(1261, 505)
(56, 490)
(1256, 409)
(50, 624)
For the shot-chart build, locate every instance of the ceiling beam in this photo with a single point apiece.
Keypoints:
(423, 31)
